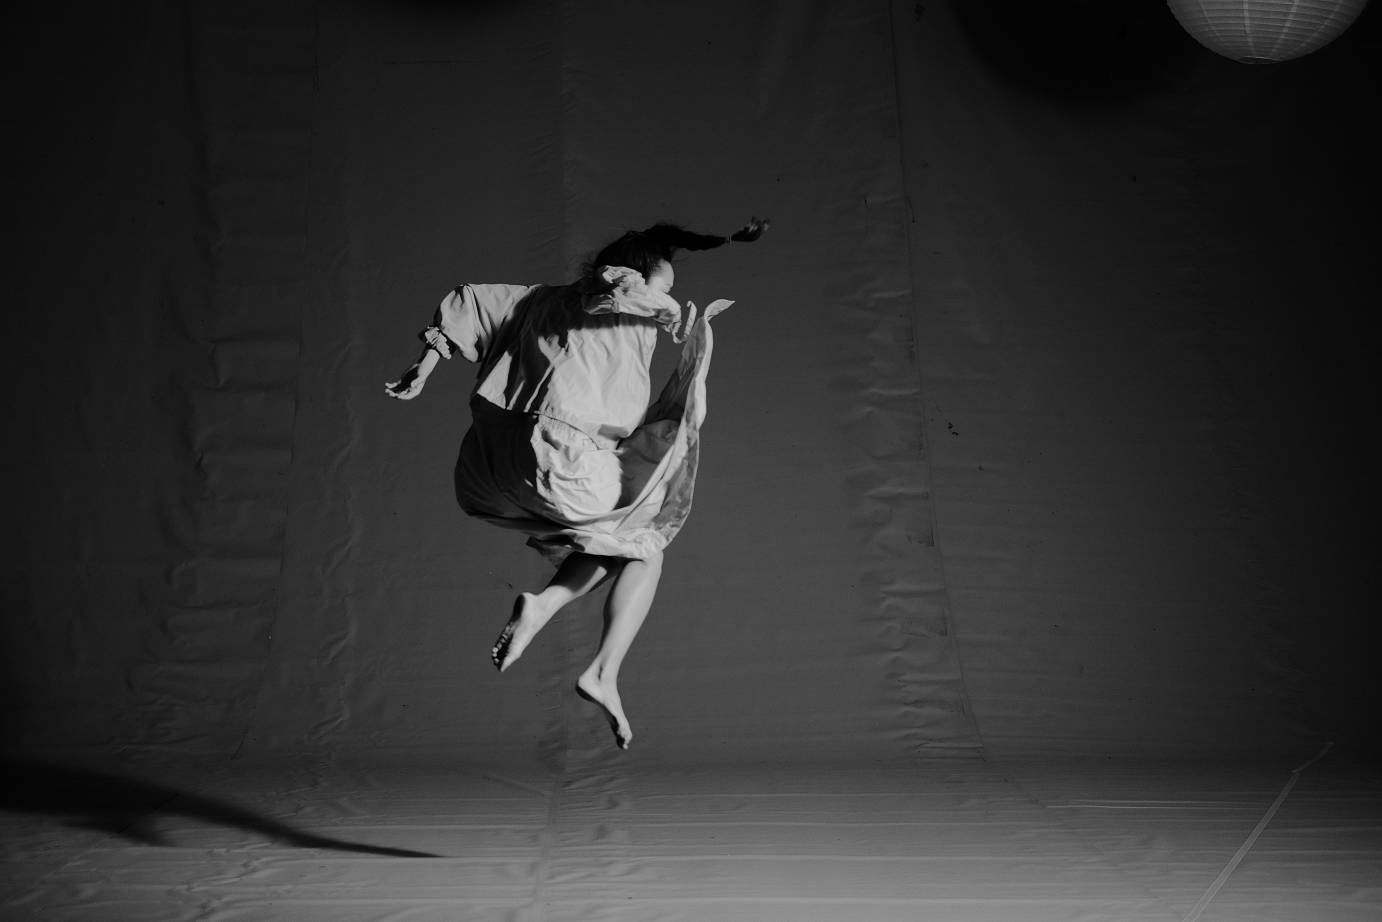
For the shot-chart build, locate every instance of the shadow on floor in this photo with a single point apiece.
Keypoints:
(128, 807)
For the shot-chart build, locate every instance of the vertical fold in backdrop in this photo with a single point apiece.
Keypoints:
(231, 331)
(803, 610)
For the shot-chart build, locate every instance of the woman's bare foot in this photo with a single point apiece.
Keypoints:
(606, 695)
(528, 618)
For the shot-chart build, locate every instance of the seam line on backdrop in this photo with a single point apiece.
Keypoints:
(558, 737)
(252, 717)
(1208, 897)
(1110, 862)
(972, 720)
(548, 839)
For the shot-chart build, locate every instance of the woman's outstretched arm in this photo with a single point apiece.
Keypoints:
(410, 383)
(467, 321)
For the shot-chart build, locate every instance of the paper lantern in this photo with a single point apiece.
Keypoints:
(1262, 31)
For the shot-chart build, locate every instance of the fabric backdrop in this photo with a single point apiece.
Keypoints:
(1039, 423)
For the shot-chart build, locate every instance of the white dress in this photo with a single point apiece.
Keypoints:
(564, 445)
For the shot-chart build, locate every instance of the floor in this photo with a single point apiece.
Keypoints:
(418, 838)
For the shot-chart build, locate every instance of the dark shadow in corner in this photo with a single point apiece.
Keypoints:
(1080, 53)
(126, 807)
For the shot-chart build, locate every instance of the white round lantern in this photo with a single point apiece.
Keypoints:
(1261, 31)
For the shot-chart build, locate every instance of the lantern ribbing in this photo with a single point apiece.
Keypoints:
(1259, 31)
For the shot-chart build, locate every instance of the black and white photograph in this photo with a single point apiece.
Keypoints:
(698, 461)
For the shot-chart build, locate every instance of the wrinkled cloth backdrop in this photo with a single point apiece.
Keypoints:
(1037, 432)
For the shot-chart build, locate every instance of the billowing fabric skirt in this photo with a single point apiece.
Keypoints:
(569, 491)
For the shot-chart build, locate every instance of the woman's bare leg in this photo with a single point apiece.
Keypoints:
(627, 606)
(577, 575)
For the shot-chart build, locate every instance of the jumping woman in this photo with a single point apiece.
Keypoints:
(564, 444)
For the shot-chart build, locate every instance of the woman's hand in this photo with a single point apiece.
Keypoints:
(408, 386)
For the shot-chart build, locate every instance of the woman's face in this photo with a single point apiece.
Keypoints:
(662, 276)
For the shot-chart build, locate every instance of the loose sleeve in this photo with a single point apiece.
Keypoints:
(471, 318)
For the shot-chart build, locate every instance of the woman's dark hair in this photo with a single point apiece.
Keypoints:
(643, 250)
